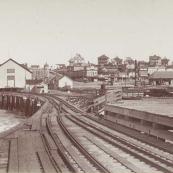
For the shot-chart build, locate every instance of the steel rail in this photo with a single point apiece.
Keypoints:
(103, 135)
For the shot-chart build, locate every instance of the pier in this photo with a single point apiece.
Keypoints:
(57, 136)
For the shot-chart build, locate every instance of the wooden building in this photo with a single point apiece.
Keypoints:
(162, 78)
(13, 74)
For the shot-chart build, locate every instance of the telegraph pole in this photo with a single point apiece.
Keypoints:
(135, 72)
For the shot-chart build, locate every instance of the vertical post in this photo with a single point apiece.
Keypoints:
(8, 102)
(35, 105)
(2, 104)
(27, 107)
(21, 104)
(24, 99)
(17, 103)
(1, 101)
(32, 106)
(135, 72)
(13, 103)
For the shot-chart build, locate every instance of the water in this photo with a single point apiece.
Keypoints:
(8, 120)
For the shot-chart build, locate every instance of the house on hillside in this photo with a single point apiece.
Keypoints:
(155, 61)
(143, 76)
(151, 70)
(39, 73)
(108, 69)
(14, 74)
(60, 81)
(162, 78)
(36, 86)
(91, 71)
(103, 60)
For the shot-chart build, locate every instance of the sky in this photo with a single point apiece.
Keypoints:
(53, 31)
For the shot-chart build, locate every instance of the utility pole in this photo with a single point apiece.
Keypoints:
(135, 72)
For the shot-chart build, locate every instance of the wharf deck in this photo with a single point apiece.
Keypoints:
(158, 111)
(150, 116)
(27, 154)
(23, 149)
(160, 106)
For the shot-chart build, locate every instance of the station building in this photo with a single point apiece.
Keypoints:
(162, 78)
(14, 74)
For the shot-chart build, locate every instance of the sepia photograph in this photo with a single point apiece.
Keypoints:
(86, 86)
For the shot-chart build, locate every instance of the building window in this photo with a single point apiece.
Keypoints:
(10, 70)
(10, 77)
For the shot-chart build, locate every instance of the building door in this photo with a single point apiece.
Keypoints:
(10, 81)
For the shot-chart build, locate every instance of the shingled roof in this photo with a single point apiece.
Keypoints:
(162, 75)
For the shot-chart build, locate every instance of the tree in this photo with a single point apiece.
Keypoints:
(164, 61)
(116, 61)
(129, 61)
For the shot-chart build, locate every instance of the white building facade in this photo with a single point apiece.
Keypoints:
(156, 68)
(13, 74)
(36, 86)
(60, 81)
(91, 71)
(40, 73)
(65, 81)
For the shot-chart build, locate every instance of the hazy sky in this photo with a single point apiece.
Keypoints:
(36, 31)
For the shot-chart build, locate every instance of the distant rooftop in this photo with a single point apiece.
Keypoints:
(103, 57)
(162, 75)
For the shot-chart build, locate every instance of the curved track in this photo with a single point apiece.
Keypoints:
(74, 143)
(74, 164)
(143, 153)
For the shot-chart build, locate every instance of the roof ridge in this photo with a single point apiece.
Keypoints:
(16, 63)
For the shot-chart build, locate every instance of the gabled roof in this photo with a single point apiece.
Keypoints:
(162, 75)
(17, 64)
(58, 76)
(55, 76)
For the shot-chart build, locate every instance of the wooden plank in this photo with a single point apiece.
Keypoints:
(42, 154)
(13, 157)
(28, 161)
(50, 141)
(62, 166)
(4, 148)
(36, 124)
(45, 162)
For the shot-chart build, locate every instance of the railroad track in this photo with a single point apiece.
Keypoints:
(69, 152)
(120, 134)
(113, 162)
(143, 155)
(87, 163)
(163, 164)
(142, 142)
(54, 146)
(63, 152)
